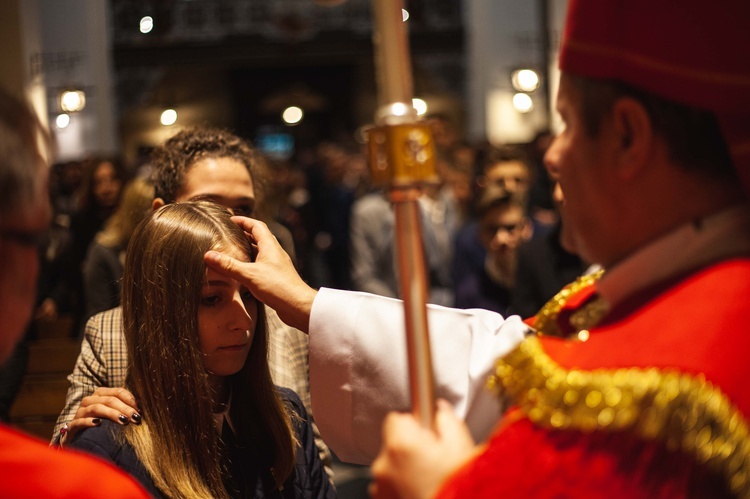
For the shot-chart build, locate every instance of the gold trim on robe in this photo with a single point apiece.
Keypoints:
(545, 321)
(684, 411)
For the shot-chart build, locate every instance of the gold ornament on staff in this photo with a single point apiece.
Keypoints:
(402, 160)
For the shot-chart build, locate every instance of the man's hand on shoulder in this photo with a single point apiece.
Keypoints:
(115, 404)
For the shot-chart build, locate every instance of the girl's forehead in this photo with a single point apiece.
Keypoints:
(232, 250)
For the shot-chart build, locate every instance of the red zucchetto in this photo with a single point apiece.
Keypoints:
(689, 51)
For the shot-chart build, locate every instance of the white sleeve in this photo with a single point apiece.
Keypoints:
(358, 368)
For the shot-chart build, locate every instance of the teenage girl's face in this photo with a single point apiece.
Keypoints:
(227, 315)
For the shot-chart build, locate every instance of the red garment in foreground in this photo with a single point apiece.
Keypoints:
(29, 468)
(678, 358)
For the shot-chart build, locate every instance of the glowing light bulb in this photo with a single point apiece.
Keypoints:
(62, 120)
(168, 117)
(420, 105)
(523, 103)
(525, 80)
(146, 24)
(72, 101)
(292, 115)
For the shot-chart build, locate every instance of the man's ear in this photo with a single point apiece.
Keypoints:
(158, 203)
(634, 135)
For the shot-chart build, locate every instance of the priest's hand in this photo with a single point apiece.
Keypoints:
(272, 277)
(414, 461)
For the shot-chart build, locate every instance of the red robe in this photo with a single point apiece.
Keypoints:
(658, 404)
(29, 468)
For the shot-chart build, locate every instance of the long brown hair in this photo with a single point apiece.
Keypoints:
(137, 196)
(178, 442)
(91, 165)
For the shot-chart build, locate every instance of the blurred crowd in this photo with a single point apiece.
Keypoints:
(490, 228)
(491, 212)
(490, 224)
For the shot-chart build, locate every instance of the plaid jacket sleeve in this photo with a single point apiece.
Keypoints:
(102, 362)
(288, 350)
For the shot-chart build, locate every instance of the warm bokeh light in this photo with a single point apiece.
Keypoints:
(62, 120)
(292, 115)
(420, 105)
(399, 109)
(525, 80)
(405, 14)
(147, 24)
(168, 117)
(72, 101)
(523, 103)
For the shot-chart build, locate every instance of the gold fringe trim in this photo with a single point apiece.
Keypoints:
(545, 321)
(686, 412)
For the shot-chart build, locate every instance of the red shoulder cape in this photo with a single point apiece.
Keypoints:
(696, 326)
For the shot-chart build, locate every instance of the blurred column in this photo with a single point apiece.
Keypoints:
(504, 35)
(76, 52)
(21, 42)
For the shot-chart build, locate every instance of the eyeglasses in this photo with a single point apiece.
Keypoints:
(28, 238)
(490, 231)
(506, 181)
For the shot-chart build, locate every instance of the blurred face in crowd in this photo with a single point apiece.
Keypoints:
(20, 267)
(442, 132)
(459, 183)
(512, 176)
(501, 229)
(107, 185)
(225, 181)
(227, 316)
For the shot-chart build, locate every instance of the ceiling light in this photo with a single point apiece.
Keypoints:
(146, 24)
(523, 103)
(420, 105)
(72, 101)
(168, 117)
(292, 115)
(62, 120)
(525, 80)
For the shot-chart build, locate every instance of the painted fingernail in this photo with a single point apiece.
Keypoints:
(123, 419)
(136, 418)
(96, 421)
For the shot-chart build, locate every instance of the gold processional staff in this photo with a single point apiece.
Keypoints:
(402, 160)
